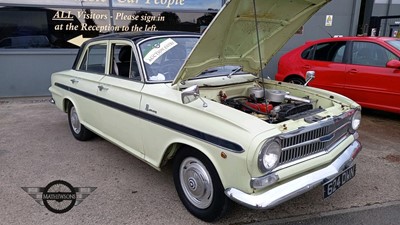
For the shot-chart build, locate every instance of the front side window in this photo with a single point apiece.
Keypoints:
(330, 51)
(95, 59)
(124, 63)
(163, 57)
(370, 54)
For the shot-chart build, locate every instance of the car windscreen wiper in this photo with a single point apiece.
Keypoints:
(208, 71)
(234, 71)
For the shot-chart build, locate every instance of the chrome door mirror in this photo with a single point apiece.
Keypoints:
(190, 94)
(310, 75)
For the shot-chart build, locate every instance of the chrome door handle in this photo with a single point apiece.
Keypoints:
(73, 81)
(101, 88)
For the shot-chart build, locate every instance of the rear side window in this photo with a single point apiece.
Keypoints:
(307, 54)
(95, 59)
(330, 51)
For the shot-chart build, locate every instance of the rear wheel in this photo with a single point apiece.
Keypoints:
(79, 131)
(296, 80)
(198, 185)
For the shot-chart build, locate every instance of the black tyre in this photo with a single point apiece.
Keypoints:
(296, 80)
(198, 185)
(79, 131)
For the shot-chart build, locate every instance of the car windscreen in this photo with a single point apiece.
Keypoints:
(164, 56)
(395, 43)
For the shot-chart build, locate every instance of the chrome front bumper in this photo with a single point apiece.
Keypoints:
(298, 186)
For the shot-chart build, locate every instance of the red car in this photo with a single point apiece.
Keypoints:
(365, 69)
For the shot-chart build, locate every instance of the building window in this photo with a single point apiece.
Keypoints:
(168, 5)
(67, 23)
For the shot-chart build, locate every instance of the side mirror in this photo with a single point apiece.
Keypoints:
(395, 64)
(190, 94)
(310, 75)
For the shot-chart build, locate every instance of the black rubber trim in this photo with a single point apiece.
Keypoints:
(157, 120)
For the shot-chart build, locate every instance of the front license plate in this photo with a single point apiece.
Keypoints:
(334, 184)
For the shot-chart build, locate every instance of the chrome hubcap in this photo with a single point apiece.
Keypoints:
(196, 182)
(75, 123)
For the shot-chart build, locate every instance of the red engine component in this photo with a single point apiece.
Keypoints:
(262, 107)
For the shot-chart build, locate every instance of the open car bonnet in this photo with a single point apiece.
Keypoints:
(231, 39)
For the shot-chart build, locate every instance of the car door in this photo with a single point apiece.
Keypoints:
(83, 83)
(368, 81)
(120, 95)
(327, 60)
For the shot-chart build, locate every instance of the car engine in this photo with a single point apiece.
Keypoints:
(273, 106)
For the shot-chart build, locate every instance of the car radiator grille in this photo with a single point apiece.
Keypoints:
(306, 143)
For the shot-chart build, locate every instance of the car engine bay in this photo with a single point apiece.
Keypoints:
(270, 105)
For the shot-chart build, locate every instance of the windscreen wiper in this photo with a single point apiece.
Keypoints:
(234, 71)
(208, 71)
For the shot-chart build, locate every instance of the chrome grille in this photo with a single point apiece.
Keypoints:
(309, 141)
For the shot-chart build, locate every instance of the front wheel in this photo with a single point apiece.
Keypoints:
(79, 131)
(198, 185)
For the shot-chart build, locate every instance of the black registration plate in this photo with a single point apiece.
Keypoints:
(334, 184)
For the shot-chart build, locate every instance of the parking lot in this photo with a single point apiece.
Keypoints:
(36, 147)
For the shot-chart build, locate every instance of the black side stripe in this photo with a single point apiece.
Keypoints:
(158, 120)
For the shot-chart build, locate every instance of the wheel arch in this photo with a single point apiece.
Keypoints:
(221, 159)
(67, 101)
(65, 104)
(172, 150)
(170, 153)
(291, 76)
(175, 147)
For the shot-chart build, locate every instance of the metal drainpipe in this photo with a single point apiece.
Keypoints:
(355, 17)
(111, 10)
(387, 14)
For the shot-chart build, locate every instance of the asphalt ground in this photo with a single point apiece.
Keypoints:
(379, 214)
(36, 148)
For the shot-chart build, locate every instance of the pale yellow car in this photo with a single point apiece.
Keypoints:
(199, 102)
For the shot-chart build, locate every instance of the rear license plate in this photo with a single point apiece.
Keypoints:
(334, 184)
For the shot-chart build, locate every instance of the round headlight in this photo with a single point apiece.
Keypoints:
(269, 156)
(356, 120)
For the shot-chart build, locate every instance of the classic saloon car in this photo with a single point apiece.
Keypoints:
(198, 102)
